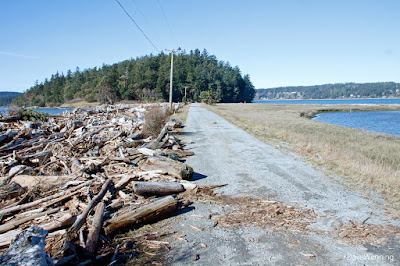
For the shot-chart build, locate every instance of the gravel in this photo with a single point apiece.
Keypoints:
(225, 154)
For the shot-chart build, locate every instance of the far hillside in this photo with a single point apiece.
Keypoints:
(6, 97)
(332, 91)
(146, 78)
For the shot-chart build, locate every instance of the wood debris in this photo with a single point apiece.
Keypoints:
(85, 176)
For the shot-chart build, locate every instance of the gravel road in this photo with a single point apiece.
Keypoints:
(225, 154)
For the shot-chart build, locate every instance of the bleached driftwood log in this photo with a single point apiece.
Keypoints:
(157, 188)
(125, 181)
(156, 210)
(27, 248)
(94, 230)
(174, 168)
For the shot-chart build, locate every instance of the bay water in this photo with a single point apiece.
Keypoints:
(53, 111)
(379, 121)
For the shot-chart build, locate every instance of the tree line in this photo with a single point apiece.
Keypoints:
(6, 97)
(333, 91)
(145, 79)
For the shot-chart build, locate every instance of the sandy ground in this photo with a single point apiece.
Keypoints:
(225, 154)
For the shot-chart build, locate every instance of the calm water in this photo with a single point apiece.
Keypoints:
(335, 101)
(382, 121)
(53, 111)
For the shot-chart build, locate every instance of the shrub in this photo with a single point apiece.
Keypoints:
(28, 115)
(155, 119)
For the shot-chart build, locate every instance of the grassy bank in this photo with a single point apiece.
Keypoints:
(181, 114)
(366, 158)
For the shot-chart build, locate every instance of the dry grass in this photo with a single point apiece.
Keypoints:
(155, 118)
(369, 159)
(181, 114)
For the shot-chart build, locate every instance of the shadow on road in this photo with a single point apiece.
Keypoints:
(197, 176)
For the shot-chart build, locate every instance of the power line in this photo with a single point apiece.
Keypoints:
(165, 17)
(137, 25)
(136, 7)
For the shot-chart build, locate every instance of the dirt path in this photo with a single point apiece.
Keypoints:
(225, 154)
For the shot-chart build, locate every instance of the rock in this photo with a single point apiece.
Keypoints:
(27, 248)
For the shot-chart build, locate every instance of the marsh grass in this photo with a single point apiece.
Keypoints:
(369, 159)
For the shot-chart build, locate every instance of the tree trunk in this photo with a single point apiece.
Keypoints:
(157, 188)
(94, 230)
(145, 214)
(174, 168)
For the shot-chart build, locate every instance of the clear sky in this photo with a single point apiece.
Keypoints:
(278, 43)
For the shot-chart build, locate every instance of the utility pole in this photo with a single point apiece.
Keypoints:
(171, 76)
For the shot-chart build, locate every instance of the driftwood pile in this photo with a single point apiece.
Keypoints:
(84, 177)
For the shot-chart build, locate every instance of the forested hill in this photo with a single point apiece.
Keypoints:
(146, 79)
(333, 91)
(6, 97)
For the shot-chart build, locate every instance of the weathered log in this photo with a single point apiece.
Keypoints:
(157, 188)
(32, 181)
(148, 213)
(125, 181)
(180, 153)
(82, 217)
(43, 157)
(14, 224)
(64, 220)
(174, 168)
(46, 199)
(27, 249)
(20, 169)
(94, 230)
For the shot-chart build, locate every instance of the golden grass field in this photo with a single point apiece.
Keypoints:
(369, 159)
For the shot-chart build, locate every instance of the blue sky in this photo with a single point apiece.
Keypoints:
(278, 43)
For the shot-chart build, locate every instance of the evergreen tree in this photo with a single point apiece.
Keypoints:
(145, 78)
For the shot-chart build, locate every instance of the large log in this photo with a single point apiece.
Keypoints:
(32, 181)
(174, 168)
(157, 188)
(125, 180)
(149, 213)
(94, 230)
